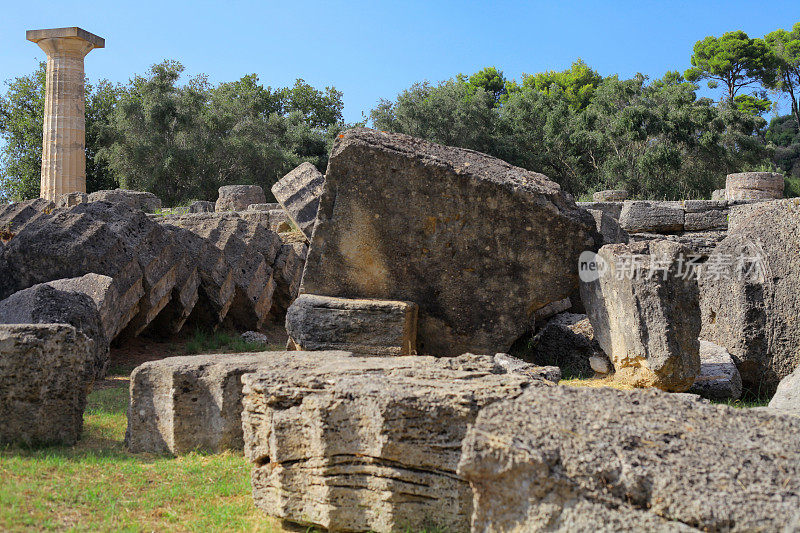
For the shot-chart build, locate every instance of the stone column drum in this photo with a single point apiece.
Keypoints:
(63, 143)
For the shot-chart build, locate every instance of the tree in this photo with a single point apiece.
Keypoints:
(785, 49)
(21, 123)
(577, 85)
(490, 80)
(735, 60)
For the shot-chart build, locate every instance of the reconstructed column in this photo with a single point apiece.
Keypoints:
(64, 135)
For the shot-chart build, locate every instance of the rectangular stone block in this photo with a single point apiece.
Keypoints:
(183, 404)
(652, 217)
(44, 375)
(369, 443)
(298, 193)
(713, 219)
(374, 327)
(612, 209)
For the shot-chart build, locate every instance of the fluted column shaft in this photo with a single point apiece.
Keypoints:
(64, 139)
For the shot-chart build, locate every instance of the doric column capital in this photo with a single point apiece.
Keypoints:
(65, 41)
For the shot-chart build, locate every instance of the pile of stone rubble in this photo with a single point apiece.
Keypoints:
(408, 247)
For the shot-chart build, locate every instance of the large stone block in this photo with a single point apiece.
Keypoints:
(644, 308)
(611, 195)
(368, 443)
(43, 383)
(298, 192)
(72, 198)
(377, 327)
(566, 341)
(612, 209)
(202, 206)
(718, 378)
(609, 229)
(750, 289)
(754, 186)
(478, 244)
(13, 217)
(238, 197)
(568, 459)
(652, 217)
(45, 304)
(182, 404)
(146, 201)
(787, 395)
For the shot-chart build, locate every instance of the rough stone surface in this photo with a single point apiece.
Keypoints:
(289, 267)
(202, 206)
(116, 309)
(652, 217)
(181, 404)
(713, 219)
(611, 195)
(275, 219)
(608, 228)
(298, 193)
(718, 194)
(751, 293)
(43, 383)
(718, 378)
(646, 314)
(368, 444)
(72, 198)
(98, 237)
(754, 186)
(14, 217)
(787, 396)
(567, 342)
(264, 207)
(514, 365)
(248, 251)
(238, 197)
(700, 243)
(45, 304)
(612, 209)
(375, 327)
(551, 309)
(570, 459)
(405, 219)
(147, 202)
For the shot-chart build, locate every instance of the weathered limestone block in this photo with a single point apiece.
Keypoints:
(718, 194)
(116, 309)
(652, 217)
(181, 404)
(700, 243)
(787, 395)
(611, 195)
(368, 443)
(43, 383)
(754, 186)
(238, 197)
(550, 310)
(405, 219)
(569, 459)
(64, 128)
(376, 327)
(711, 219)
(72, 198)
(646, 314)
(249, 250)
(608, 228)
(275, 219)
(44, 304)
(750, 289)
(566, 341)
(264, 207)
(146, 201)
(514, 365)
(298, 193)
(13, 217)
(109, 239)
(718, 378)
(202, 206)
(612, 209)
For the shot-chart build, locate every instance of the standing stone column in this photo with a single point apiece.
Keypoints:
(64, 135)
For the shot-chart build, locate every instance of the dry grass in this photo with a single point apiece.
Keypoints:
(596, 383)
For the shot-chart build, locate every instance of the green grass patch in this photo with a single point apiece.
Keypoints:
(202, 341)
(98, 486)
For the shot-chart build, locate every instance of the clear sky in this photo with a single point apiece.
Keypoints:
(370, 50)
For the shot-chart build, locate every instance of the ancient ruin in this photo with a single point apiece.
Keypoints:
(63, 157)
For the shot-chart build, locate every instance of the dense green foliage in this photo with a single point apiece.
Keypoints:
(182, 139)
(180, 142)
(656, 139)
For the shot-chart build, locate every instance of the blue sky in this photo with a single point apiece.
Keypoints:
(370, 50)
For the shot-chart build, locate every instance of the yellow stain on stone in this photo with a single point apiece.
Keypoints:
(365, 265)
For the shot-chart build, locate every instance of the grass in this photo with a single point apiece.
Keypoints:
(223, 342)
(97, 486)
